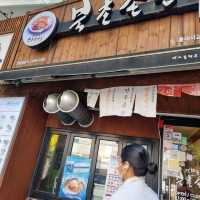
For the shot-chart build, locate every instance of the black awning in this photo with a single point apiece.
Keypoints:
(153, 62)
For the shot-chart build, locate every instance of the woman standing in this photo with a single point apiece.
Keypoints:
(133, 168)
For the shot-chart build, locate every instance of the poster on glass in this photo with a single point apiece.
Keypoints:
(75, 178)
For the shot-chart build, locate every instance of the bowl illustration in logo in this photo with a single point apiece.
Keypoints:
(73, 186)
(40, 24)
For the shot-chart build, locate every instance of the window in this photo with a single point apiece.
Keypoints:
(106, 150)
(60, 146)
(81, 146)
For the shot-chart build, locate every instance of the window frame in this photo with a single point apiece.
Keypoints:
(152, 144)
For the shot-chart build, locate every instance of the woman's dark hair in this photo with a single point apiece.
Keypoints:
(138, 158)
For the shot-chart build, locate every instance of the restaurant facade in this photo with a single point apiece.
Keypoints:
(82, 79)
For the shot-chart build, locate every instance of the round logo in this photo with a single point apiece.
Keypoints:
(39, 29)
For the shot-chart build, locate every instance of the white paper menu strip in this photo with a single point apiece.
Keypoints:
(117, 101)
(92, 97)
(146, 101)
(10, 110)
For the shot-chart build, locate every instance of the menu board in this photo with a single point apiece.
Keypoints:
(10, 110)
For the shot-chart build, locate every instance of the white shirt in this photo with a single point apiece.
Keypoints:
(134, 188)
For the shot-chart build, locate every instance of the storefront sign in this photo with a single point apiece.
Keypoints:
(39, 29)
(5, 41)
(129, 7)
(42, 26)
(10, 110)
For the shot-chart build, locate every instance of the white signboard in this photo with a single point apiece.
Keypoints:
(5, 41)
(117, 101)
(10, 110)
(146, 101)
(92, 97)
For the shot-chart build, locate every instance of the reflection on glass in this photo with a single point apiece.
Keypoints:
(81, 147)
(106, 150)
(181, 163)
(52, 163)
(145, 146)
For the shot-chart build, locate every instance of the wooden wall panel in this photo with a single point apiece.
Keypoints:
(86, 46)
(176, 30)
(183, 29)
(144, 36)
(189, 28)
(23, 157)
(125, 126)
(185, 105)
(164, 35)
(128, 44)
(13, 25)
(197, 28)
(34, 57)
(63, 46)
(152, 42)
(20, 26)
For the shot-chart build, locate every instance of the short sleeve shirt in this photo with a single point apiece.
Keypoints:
(134, 188)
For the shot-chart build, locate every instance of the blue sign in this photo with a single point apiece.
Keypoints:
(75, 178)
